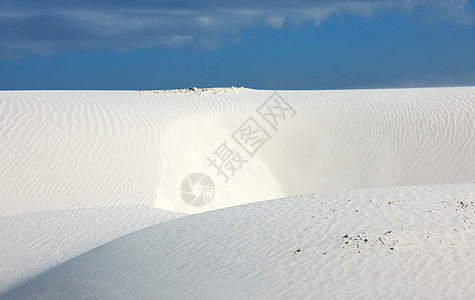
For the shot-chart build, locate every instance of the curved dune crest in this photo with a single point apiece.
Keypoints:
(34, 242)
(399, 242)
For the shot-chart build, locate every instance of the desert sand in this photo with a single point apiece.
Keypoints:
(358, 193)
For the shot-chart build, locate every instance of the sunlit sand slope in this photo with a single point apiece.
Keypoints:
(386, 243)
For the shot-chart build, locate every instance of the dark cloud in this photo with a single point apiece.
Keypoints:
(49, 26)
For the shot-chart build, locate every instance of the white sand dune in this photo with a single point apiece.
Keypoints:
(33, 242)
(81, 168)
(63, 150)
(249, 251)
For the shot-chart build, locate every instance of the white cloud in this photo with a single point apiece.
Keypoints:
(46, 27)
(275, 21)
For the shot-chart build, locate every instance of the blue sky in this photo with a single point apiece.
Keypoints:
(144, 44)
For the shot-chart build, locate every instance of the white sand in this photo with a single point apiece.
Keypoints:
(81, 168)
(33, 242)
(250, 251)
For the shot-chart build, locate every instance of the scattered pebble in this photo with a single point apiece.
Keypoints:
(200, 91)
